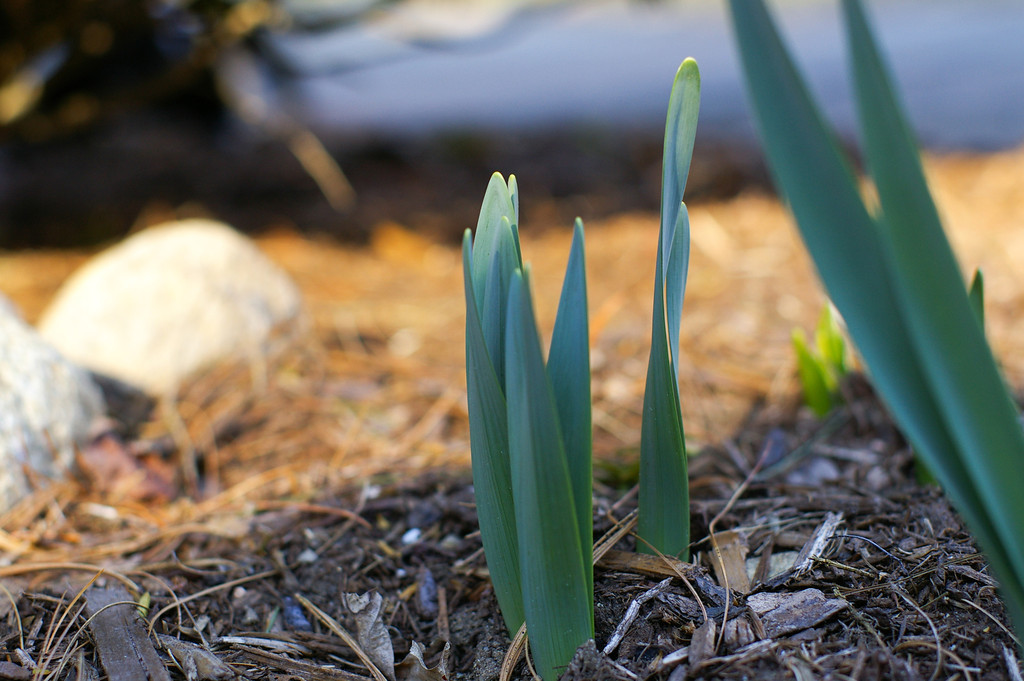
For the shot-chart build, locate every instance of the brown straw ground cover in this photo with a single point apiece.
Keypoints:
(264, 492)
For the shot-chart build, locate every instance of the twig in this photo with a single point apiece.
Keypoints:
(939, 650)
(631, 612)
(910, 643)
(903, 566)
(13, 570)
(842, 566)
(443, 630)
(992, 617)
(17, 614)
(48, 644)
(862, 619)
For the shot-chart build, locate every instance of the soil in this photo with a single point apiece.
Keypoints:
(339, 465)
(910, 594)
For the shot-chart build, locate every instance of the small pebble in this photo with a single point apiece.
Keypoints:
(411, 536)
(293, 616)
(877, 479)
(451, 542)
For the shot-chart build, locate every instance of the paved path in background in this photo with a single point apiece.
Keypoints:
(960, 64)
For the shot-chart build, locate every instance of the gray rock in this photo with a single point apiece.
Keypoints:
(168, 301)
(47, 406)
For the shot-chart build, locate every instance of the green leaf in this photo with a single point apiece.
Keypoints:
(839, 233)
(675, 280)
(513, 194)
(492, 477)
(569, 368)
(855, 264)
(813, 377)
(559, 613)
(976, 294)
(828, 338)
(664, 518)
(680, 131)
(664, 495)
(504, 260)
(497, 204)
(958, 363)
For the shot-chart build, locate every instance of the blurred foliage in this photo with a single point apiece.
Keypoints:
(68, 64)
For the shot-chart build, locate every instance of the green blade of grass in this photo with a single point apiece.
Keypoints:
(492, 477)
(551, 556)
(957, 361)
(569, 369)
(817, 395)
(850, 256)
(664, 496)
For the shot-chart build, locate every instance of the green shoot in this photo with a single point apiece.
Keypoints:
(530, 420)
(822, 367)
(530, 435)
(664, 521)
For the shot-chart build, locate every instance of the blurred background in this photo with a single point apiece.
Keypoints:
(333, 116)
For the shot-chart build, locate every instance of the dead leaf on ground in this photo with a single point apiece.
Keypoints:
(194, 661)
(414, 668)
(371, 633)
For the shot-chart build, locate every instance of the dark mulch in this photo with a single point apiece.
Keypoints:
(150, 166)
(906, 594)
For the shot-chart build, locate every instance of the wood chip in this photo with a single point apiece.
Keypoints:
(661, 567)
(787, 613)
(125, 649)
(702, 645)
(9, 670)
(732, 568)
(815, 546)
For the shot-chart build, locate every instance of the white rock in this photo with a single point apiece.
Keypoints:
(47, 406)
(170, 300)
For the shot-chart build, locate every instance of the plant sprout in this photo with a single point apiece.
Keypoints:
(530, 419)
(823, 366)
(664, 498)
(530, 435)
